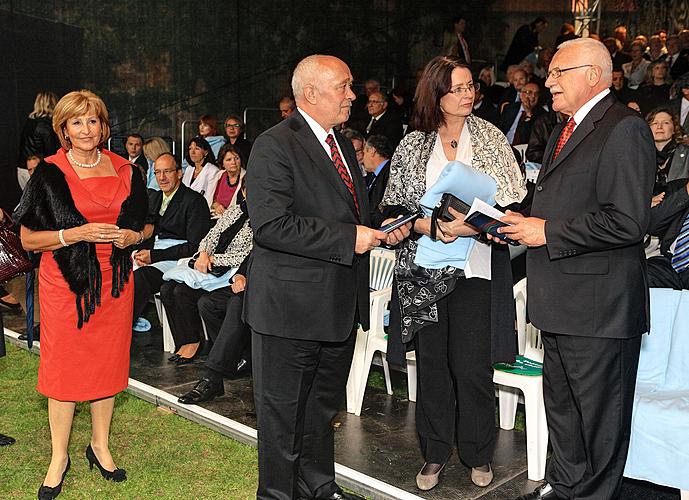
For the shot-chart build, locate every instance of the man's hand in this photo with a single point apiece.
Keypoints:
(367, 239)
(655, 201)
(529, 231)
(142, 258)
(399, 234)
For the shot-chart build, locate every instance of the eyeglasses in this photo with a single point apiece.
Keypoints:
(556, 73)
(375, 102)
(458, 90)
(158, 173)
(529, 92)
(233, 125)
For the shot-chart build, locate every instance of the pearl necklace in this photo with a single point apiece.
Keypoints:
(85, 165)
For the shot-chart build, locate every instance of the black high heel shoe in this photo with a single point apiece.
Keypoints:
(48, 493)
(117, 475)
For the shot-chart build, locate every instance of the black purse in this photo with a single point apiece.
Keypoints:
(216, 271)
(13, 259)
(450, 201)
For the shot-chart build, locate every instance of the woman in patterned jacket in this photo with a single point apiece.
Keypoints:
(460, 326)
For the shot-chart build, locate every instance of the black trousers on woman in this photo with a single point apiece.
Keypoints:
(455, 392)
(182, 312)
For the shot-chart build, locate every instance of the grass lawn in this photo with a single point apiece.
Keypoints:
(166, 456)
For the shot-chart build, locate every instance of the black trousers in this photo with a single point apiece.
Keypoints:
(298, 389)
(221, 311)
(455, 392)
(662, 275)
(182, 311)
(588, 389)
(147, 282)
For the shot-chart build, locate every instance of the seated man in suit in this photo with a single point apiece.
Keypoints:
(178, 218)
(134, 144)
(483, 108)
(517, 78)
(670, 222)
(517, 118)
(377, 154)
(383, 122)
(677, 63)
(680, 104)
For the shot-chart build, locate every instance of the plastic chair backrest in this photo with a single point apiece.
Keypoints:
(534, 346)
(382, 265)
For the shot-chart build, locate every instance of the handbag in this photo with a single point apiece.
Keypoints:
(450, 201)
(14, 261)
(216, 271)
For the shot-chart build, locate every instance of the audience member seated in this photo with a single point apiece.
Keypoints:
(618, 57)
(540, 70)
(656, 90)
(178, 219)
(208, 129)
(400, 104)
(635, 70)
(201, 174)
(483, 107)
(656, 50)
(517, 118)
(134, 145)
(286, 106)
(672, 155)
(678, 64)
(619, 87)
(358, 142)
(620, 33)
(227, 190)
(377, 154)
(383, 122)
(234, 130)
(517, 78)
(680, 104)
(489, 88)
(541, 128)
(215, 268)
(153, 148)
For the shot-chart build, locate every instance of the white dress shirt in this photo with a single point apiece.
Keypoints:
(321, 134)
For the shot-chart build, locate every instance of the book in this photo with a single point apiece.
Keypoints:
(487, 218)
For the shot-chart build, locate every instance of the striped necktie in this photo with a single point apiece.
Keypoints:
(680, 258)
(341, 168)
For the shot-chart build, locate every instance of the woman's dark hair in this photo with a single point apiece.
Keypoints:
(229, 148)
(435, 82)
(203, 144)
(677, 131)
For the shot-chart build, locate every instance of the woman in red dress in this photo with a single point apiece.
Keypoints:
(83, 209)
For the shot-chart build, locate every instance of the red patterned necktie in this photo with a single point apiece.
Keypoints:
(341, 168)
(564, 137)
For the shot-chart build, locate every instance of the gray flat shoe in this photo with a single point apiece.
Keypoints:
(481, 478)
(427, 482)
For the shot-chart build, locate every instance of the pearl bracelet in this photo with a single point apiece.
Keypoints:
(61, 236)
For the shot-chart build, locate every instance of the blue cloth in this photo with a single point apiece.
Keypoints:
(659, 443)
(151, 181)
(465, 183)
(182, 273)
(162, 244)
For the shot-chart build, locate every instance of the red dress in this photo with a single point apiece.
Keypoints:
(91, 362)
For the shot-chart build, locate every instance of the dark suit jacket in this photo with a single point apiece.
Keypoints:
(679, 67)
(619, 59)
(509, 114)
(377, 189)
(304, 280)
(590, 278)
(142, 163)
(186, 218)
(488, 111)
(667, 217)
(389, 125)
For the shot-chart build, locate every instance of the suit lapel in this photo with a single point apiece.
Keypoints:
(580, 133)
(322, 160)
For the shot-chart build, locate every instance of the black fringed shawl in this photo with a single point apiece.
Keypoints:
(47, 205)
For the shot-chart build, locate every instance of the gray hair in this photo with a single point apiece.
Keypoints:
(595, 52)
(307, 72)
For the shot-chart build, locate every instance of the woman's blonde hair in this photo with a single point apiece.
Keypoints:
(154, 147)
(44, 105)
(78, 103)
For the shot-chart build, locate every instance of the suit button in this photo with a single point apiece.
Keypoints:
(539, 188)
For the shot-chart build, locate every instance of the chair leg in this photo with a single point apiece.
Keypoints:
(355, 370)
(536, 431)
(386, 371)
(159, 307)
(411, 380)
(168, 339)
(363, 379)
(507, 406)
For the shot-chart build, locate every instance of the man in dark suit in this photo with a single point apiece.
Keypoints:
(678, 64)
(483, 107)
(176, 212)
(670, 223)
(680, 104)
(517, 118)
(307, 284)
(134, 144)
(383, 122)
(586, 272)
(377, 154)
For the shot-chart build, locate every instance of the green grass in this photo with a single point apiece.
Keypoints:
(166, 456)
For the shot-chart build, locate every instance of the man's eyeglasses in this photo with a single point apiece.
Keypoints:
(233, 125)
(459, 89)
(528, 92)
(556, 73)
(375, 102)
(158, 173)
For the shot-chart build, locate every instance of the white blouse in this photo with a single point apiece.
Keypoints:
(205, 182)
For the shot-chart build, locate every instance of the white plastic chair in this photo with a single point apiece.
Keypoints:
(374, 340)
(530, 383)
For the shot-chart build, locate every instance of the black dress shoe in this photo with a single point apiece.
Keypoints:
(545, 491)
(204, 390)
(173, 358)
(6, 440)
(341, 495)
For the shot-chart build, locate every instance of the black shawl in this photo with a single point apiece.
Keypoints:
(47, 205)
